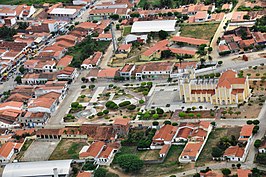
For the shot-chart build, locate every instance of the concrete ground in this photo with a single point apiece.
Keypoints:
(40, 150)
(162, 96)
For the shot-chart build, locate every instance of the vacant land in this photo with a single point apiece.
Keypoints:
(31, 2)
(214, 137)
(126, 30)
(24, 148)
(39, 150)
(67, 149)
(202, 31)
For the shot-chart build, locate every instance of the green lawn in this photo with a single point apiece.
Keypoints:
(30, 2)
(67, 149)
(126, 30)
(202, 31)
(151, 2)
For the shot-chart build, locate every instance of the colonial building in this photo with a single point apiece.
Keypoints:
(228, 89)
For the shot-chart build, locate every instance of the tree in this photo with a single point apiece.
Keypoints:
(130, 162)
(131, 107)
(141, 101)
(257, 143)
(159, 111)
(7, 33)
(175, 124)
(155, 116)
(83, 86)
(196, 175)
(217, 152)
(106, 111)
(238, 165)
(166, 54)
(220, 62)
(226, 171)
(91, 87)
(22, 69)
(256, 122)
(155, 123)
(18, 79)
(261, 158)
(162, 34)
(182, 114)
(255, 129)
(249, 122)
(74, 105)
(209, 49)
(100, 172)
(167, 122)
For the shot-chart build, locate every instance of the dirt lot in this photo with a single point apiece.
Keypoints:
(205, 156)
(202, 31)
(68, 149)
(255, 72)
(39, 150)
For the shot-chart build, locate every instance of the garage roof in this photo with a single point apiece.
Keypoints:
(153, 26)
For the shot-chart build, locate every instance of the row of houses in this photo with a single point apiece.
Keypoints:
(240, 39)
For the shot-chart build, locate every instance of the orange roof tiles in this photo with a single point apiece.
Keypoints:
(65, 61)
(121, 121)
(246, 130)
(166, 133)
(190, 40)
(106, 153)
(223, 48)
(124, 46)
(192, 149)
(183, 51)
(184, 132)
(238, 16)
(212, 92)
(94, 149)
(229, 78)
(108, 73)
(160, 66)
(243, 172)
(184, 65)
(21, 132)
(127, 68)
(86, 25)
(159, 46)
(67, 70)
(201, 15)
(105, 35)
(165, 149)
(234, 151)
(6, 149)
(84, 174)
(94, 60)
(11, 104)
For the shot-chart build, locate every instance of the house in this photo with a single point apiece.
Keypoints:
(68, 73)
(47, 25)
(93, 151)
(227, 6)
(153, 26)
(105, 157)
(210, 174)
(11, 105)
(31, 119)
(223, 49)
(127, 71)
(37, 78)
(260, 38)
(235, 153)
(164, 151)
(183, 52)
(238, 16)
(108, 73)
(123, 51)
(246, 133)
(121, 126)
(64, 62)
(93, 61)
(105, 13)
(105, 37)
(44, 103)
(184, 69)
(65, 14)
(201, 16)
(7, 150)
(60, 87)
(155, 70)
(228, 89)
(18, 97)
(164, 135)
(155, 51)
(131, 38)
(191, 152)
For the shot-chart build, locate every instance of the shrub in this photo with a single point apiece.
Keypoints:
(167, 122)
(175, 124)
(83, 86)
(131, 107)
(155, 123)
(141, 101)
(100, 114)
(106, 111)
(182, 114)
(249, 122)
(124, 103)
(155, 116)
(74, 105)
(159, 111)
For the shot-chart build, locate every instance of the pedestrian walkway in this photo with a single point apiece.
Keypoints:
(96, 94)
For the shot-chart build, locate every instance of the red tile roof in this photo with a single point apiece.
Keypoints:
(65, 61)
(94, 150)
(84, 174)
(234, 151)
(166, 133)
(159, 46)
(108, 73)
(212, 92)
(124, 46)
(165, 149)
(127, 68)
(190, 40)
(229, 78)
(192, 149)
(246, 130)
(243, 172)
(201, 15)
(106, 153)
(183, 51)
(121, 121)
(223, 48)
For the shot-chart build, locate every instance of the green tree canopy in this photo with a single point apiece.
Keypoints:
(130, 162)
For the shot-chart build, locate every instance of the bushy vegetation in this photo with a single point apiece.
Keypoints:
(260, 24)
(7, 33)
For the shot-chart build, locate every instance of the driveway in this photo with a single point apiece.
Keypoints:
(39, 150)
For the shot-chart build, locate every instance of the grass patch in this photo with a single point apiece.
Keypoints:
(126, 30)
(213, 139)
(67, 149)
(152, 2)
(202, 31)
(31, 2)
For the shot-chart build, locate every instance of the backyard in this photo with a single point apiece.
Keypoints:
(67, 149)
(214, 137)
(202, 31)
(24, 148)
